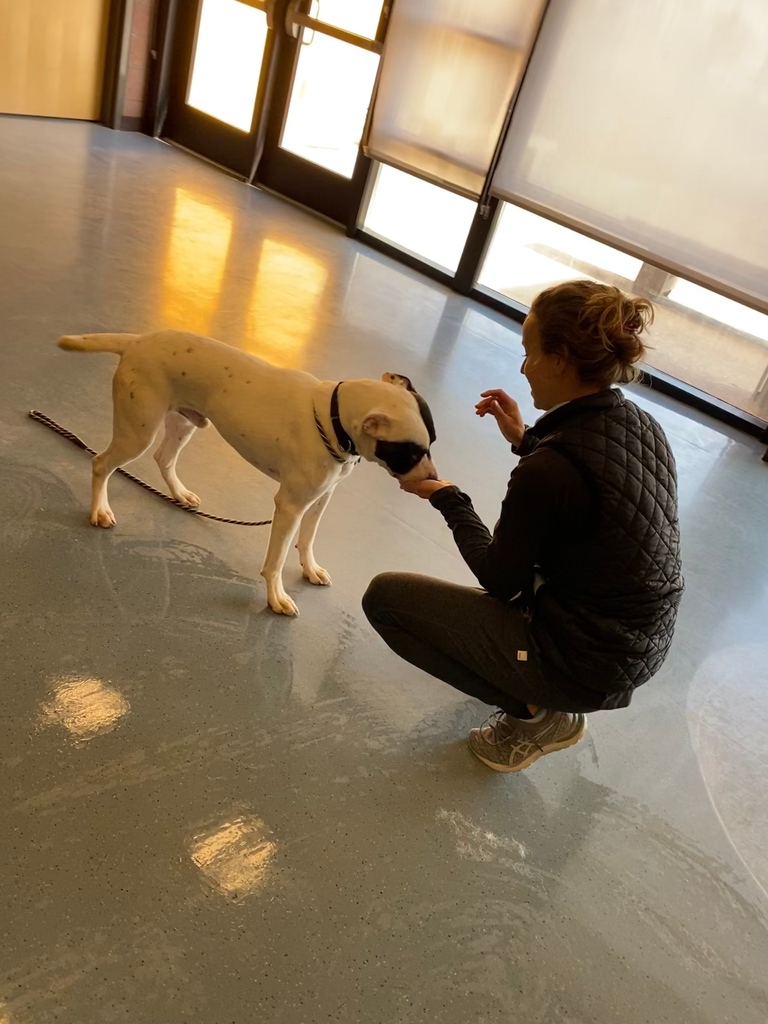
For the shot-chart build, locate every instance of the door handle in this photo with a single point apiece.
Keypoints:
(296, 19)
(292, 26)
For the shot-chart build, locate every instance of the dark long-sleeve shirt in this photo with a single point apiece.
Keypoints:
(547, 503)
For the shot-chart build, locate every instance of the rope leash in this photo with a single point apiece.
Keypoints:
(53, 425)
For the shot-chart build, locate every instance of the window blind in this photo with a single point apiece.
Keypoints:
(646, 122)
(448, 72)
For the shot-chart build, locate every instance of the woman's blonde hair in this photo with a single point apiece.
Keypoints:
(596, 327)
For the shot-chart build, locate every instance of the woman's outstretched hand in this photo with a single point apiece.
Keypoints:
(506, 413)
(424, 488)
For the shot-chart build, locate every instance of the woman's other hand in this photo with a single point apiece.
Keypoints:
(506, 413)
(424, 488)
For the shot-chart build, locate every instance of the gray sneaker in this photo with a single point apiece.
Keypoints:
(509, 744)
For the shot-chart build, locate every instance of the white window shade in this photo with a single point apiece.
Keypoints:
(647, 121)
(448, 73)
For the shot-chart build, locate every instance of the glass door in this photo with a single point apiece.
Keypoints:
(322, 92)
(278, 92)
(222, 52)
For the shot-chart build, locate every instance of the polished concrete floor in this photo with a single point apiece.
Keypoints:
(213, 815)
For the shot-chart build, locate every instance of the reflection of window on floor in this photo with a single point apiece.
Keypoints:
(194, 264)
(713, 343)
(285, 308)
(425, 220)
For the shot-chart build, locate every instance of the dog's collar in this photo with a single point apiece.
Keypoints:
(344, 441)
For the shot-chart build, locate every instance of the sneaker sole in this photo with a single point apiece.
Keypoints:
(571, 741)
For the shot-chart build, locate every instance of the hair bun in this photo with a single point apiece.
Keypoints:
(629, 348)
(618, 320)
(634, 323)
(597, 326)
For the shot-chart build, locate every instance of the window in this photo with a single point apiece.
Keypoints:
(425, 220)
(713, 343)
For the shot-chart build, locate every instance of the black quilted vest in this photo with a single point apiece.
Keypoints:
(609, 603)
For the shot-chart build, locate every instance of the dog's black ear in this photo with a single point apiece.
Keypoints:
(404, 382)
(426, 415)
(398, 380)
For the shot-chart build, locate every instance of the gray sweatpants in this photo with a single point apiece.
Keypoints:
(467, 638)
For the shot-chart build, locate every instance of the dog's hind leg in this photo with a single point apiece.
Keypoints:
(307, 533)
(288, 513)
(134, 427)
(178, 430)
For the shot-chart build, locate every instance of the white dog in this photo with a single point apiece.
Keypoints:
(305, 433)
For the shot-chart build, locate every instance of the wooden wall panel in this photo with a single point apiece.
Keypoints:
(52, 57)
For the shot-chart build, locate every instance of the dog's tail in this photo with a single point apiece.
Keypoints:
(116, 343)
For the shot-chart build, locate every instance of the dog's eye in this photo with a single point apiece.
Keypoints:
(399, 456)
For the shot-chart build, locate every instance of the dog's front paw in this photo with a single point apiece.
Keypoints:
(317, 575)
(186, 497)
(103, 517)
(282, 604)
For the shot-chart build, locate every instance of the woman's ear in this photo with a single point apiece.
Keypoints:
(560, 364)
